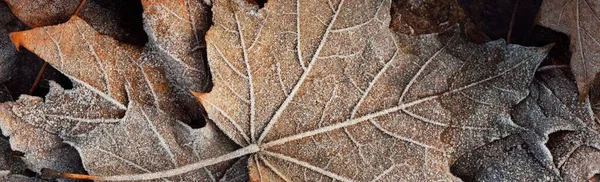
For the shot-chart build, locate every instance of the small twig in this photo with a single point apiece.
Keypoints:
(79, 7)
(52, 174)
(38, 78)
(41, 72)
(512, 22)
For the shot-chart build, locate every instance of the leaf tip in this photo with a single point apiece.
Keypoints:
(17, 39)
(200, 96)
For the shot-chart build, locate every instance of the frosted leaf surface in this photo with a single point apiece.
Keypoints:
(327, 91)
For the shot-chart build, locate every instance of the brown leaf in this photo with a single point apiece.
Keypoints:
(425, 16)
(103, 65)
(579, 20)
(41, 149)
(147, 140)
(331, 93)
(107, 17)
(46, 12)
(180, 45)
(115, 85)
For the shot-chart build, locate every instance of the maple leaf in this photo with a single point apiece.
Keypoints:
(107, 67)
(550, 109)
(337, 95)
(103, 70)
(579, 20)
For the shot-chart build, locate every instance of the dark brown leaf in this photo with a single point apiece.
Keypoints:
(578, 19)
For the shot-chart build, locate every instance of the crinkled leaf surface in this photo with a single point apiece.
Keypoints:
(147, 140)
(41, 148)
(104, 66)
(550, 109)
(180, 44)
(578, 19)
(118, 110)
(327, 91)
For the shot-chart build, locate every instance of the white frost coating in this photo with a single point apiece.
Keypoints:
(161, 139)
(184, 169)
(308, 165)
(250, 81)
(100, 93)
(294, 91)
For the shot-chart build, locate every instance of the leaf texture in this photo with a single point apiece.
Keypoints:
(579, 19)
(42, 149)
(333, 94)
(155, 142)
(103, 65)
(180, 44)
(558, 141)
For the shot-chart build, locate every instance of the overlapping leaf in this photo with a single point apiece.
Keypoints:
(550, 109)
(331, 93)
(107, 17)
(580, 20)
(114, 83)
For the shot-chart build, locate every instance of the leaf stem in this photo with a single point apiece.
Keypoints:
(38, 78)
(168, 173)
(76, 13)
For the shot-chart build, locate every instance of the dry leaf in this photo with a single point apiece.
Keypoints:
(147, 140)
(425, 16)
(115, 86)
(180, 45)
(324, 92)
(550, 109)
(328, 92)
(41, 149)
(107, 17)
(106, 141)
(579, 20)
(105, 66)
(508, 159)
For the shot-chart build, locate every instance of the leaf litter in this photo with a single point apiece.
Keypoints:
(325, 92)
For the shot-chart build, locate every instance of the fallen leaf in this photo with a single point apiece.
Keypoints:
(550, 109)
(41, 149)
(104, 66)
(117, 89)
(107, 17)
(154, 142)
(328, 92)
(508, 159)
(181, 44)
(579, 20)
(425, 16)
